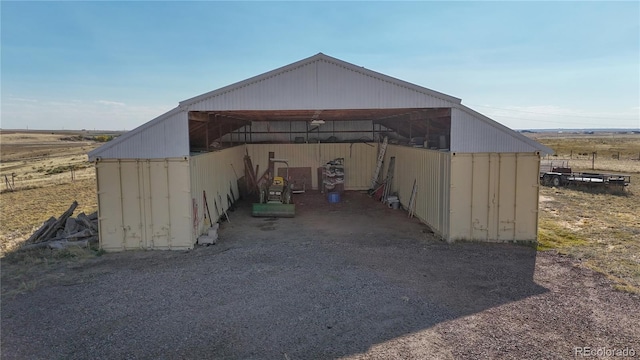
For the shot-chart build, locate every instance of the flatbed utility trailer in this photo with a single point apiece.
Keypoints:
(563, 176)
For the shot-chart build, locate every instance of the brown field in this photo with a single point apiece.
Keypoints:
(43, 158)
(41, 163)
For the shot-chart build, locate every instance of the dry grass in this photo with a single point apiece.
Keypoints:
(607, 146)
(599, 228)
(41, 159)
(41, 164)
(25, 210)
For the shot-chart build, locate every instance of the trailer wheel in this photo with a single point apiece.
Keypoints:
(544, 180)
(555, 181)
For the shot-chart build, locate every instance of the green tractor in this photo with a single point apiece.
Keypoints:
(275, 196)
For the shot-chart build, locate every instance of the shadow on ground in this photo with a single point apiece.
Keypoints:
(331, 282)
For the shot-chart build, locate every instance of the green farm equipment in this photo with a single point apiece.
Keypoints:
(275, 196)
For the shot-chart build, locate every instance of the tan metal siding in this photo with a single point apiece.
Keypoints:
(494, 196)
(430, 170)
(213, 172)
(144, 204)
(359, 159)
(110, 214)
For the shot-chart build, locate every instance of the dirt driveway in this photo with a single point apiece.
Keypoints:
(353, 280)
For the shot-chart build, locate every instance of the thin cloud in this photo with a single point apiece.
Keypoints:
(23, 99)
(111, 103)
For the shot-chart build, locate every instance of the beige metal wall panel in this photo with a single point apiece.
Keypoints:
(494, 196)
(163, 137)
(213, 173)
(132, 206)
(506, 193)
(430, 170)
(472, 132)
(110, 206)
(144, 204)
(359, 159)
(527, 197)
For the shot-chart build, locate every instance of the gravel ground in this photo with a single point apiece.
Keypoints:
(351, 280)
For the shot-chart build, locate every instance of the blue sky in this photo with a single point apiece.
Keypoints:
(116, 65)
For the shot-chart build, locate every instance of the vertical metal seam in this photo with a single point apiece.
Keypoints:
(152, 245)
(498, 192)
(124, 230)
(166, 166)
(515, 198)
(141, 204)
(100, 240)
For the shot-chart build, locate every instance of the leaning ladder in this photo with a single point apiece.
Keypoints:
(376, 173)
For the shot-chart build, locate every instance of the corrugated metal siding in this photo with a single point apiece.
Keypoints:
(359, 159)
(144, 204)
(470, 134)
(494, 196)
(319, 85)
(164, 137)
(213, 172)
(430, 169)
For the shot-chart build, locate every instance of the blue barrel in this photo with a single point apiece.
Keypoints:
(334, 197)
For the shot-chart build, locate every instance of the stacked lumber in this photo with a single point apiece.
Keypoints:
(65, 231)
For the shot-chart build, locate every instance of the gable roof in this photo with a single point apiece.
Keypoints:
(319, 82)
(318, 58)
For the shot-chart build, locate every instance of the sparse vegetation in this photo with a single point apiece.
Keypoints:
(103, 138)
(24, 210)
(600, 228)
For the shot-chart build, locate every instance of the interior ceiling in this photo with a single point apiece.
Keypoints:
(205, 126)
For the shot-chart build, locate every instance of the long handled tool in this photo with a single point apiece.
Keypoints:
(223, 210)
(206, 206)
(412, 200)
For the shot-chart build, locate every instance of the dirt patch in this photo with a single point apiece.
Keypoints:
(350, 280)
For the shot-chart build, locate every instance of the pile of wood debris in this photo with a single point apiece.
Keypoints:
(65, 231)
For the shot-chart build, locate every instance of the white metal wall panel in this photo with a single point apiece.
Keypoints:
(216, 173)
(144, 204)
(494, 196)
(320, 84)
(430, 170)
(346, 88)
(359, 159)
(472, 134)
(164, 137)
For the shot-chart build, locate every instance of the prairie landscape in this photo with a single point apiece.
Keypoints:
(47, 172)
(599, 228)
(579, 288)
